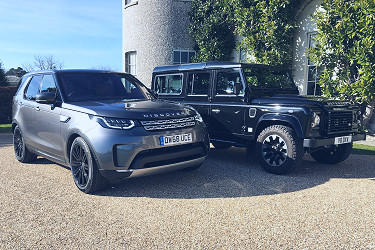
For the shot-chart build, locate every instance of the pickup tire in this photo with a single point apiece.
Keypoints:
(84, 169)
(332, 154)
(279, 149)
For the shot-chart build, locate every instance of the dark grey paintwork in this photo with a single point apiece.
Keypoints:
(49, 130)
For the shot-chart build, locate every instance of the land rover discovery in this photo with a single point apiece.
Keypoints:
(258, 106)
(104, 126)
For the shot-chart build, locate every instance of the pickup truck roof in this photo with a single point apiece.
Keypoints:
(210, 65)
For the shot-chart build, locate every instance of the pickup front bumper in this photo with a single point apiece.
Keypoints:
(319, 142)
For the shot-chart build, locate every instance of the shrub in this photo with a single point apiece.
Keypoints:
(6, 99)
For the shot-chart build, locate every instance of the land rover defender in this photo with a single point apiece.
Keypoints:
(259, 107)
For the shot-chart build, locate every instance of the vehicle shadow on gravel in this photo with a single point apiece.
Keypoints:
(231, 173)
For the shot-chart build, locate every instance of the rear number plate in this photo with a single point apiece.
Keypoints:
(175, 139)
(343, 139)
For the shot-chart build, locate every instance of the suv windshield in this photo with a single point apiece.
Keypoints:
(81, 86)
(261, 80)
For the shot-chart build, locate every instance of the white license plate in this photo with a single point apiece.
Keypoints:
(175, 139)
(343, 139)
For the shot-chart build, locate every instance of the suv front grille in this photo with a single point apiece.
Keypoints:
(168, 124)
(340, 121)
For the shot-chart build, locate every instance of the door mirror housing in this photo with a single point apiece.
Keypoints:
(237, 88)
(46, 98)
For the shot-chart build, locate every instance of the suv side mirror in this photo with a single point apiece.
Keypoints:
(237, 88)
(46, 98)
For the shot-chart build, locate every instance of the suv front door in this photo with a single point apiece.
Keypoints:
(48, 116)
(227, 109)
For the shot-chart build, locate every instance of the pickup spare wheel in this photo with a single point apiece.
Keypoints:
(279, 149)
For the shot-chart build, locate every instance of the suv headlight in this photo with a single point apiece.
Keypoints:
(198, 117)
(315, 121)
(117, 123)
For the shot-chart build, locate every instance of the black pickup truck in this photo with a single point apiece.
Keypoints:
(259, 106)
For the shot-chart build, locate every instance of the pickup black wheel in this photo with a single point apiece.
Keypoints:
(279, 149)
(332, 154)
(20, 149)
(221, 145)
(84, 170)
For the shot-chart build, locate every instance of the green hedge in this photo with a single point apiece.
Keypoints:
(6, 97)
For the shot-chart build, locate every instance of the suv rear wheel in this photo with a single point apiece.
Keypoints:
(84, 169)
(279, 149)
(20, 148)
(332, 154)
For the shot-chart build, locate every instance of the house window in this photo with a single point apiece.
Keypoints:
(130, 63)
(182, 56)
(129, 1)
(313, 72)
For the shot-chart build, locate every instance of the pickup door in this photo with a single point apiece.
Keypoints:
(227, 110)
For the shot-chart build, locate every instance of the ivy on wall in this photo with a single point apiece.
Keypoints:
(346, 50)
(266, 27)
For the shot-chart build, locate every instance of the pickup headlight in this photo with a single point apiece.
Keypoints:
(315, 121)
(117, 123)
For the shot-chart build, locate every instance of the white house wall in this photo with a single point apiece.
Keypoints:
(153, 29)
(306, 26)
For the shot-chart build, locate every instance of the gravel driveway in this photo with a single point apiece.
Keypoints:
(229, 203)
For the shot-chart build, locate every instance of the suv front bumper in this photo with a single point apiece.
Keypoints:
(319, 142)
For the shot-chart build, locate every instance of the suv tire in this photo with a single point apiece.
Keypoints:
(279, 149)
(20, 148)
(84, 169)
(332, 154)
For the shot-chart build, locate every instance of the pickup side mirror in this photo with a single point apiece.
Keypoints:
(237, 88)
(46, 98)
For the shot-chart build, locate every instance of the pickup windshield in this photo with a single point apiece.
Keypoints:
(268, 81)
(90, 86)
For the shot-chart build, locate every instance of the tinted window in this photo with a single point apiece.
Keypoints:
(80, 86)
(226, 81)
(169, 84)
(33, 87)
(198, 83)
(48, 84)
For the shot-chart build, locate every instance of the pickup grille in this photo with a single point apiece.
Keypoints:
(168, 124)
(341, 121)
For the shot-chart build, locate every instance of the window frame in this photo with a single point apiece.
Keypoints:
(170, 94)
(28, 85)
(214, 89)
(209, 83)
(310, 64)
(180, 51)
(128, 65)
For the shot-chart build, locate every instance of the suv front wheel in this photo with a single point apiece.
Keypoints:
(279, 149)
(84, 169)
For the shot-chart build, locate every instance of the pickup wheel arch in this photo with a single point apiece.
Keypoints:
(279, 119)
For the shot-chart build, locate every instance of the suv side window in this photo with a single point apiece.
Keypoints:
(226, 80)
(168, 84)
(48, 84)
(198, 83)
(33, 88)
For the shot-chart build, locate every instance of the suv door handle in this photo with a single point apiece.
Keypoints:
(216, 111)
(37, 108)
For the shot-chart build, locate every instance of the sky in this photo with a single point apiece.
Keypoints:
(79, 33)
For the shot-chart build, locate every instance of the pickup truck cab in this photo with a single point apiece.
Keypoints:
(251, 105)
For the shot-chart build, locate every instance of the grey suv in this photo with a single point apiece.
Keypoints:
(104, 126)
